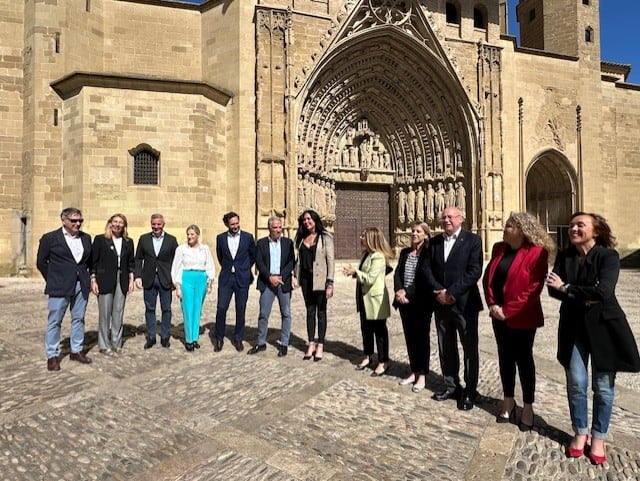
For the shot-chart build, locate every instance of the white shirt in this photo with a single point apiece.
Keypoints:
(157, 242)
(192, 259)
(75, 244)
(233, 241)
(449, 241)
(117, 243)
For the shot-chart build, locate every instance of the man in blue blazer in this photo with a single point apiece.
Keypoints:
(452, 273)
(64, 259)
(154, 256)
(275, 260)
(236, 252)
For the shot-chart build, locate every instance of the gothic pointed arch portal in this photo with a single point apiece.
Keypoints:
(551, 192)
(383, 108)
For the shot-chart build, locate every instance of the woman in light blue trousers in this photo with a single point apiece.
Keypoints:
(192, 273)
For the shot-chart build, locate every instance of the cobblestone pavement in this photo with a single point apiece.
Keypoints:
(166, 414)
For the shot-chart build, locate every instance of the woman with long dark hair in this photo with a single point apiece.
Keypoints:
(592, 325)
(314, 273)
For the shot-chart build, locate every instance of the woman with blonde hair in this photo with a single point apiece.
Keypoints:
(415, 304)
(192, 273)
(513, 281)
(112, 269)
(372, 298)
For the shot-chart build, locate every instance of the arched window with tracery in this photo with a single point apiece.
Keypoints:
(146, 165)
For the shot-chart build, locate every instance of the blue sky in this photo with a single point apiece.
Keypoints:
(618, 28)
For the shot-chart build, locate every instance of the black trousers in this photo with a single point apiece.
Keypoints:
(515, 348)
(416, 323)
(450, 325)
(375, 328)
(316, 305)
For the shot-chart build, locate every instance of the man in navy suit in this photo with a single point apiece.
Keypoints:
(275, 260)
(452, 273)
(64, 258)
(154, 257)
(236, 252)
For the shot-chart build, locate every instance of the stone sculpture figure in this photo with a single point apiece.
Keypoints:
(450, 196)
(402, 205)
(411, 204)
(439, 199)
(420, 204)
(461, 198)
(431, 202)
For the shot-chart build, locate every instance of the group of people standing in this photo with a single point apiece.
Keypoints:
(440, 275)
(436, 276)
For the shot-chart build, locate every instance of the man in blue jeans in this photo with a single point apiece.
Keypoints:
(275, 260)
(64, 257)
(154, 257)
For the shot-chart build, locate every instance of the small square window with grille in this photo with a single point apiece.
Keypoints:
(145, 168)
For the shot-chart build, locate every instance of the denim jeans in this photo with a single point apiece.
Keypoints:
(266, 302)
(150, 298)
(603, 391)
(57, 307)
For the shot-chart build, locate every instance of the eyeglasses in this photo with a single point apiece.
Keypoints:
(76, 221)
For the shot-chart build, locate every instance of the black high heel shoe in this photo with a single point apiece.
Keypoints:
(500, 419)
(363, 365)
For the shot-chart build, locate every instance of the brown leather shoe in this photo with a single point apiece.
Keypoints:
(53, 364)
(217, 346)
(81, 357)
(238, 345)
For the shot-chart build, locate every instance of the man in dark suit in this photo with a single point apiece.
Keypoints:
(275, 260)
(236, 252)
(452, 273)
(154, 257)
(64, 258)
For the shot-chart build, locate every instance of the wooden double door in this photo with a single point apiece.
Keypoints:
(359, 206)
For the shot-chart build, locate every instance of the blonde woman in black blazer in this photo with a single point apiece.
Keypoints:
(111, 280)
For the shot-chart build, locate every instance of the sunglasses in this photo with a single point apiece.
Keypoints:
(76, 221)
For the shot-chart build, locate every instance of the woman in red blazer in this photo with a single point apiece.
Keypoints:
(512, 283)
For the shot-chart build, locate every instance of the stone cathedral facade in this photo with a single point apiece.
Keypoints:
(372, 112)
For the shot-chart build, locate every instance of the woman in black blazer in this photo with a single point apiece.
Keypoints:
(112, 269)
(414, 302)
(592, 324)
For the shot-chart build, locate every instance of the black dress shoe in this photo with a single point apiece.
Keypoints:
(166, 342)
(238, 345)
(150, 343)
(447, 394)
(258, 348)
(465, 403)
(217, 347)
(282, 351)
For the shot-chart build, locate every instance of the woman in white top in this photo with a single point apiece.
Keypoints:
(192, 273)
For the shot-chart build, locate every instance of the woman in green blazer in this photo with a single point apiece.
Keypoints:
(372, 298)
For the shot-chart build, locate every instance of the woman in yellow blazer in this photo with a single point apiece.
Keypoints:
(372, 298)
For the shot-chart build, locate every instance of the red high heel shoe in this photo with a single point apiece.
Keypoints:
(597, 460)
(574, 452)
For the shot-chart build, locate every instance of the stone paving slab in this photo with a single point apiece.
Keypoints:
(165, 414)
